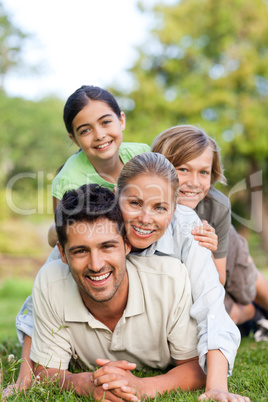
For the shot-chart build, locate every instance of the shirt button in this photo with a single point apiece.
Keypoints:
(212, 316)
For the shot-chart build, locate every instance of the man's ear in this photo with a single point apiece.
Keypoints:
(127, 245)
(62, 253)
(73, 139)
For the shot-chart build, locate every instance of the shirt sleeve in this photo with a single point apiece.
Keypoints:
(50, 342)
(24, 320)
(216, 330)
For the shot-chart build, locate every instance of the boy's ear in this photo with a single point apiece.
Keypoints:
(73, 139)
(62, 253)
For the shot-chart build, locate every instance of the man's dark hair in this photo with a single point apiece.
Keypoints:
(87, 204)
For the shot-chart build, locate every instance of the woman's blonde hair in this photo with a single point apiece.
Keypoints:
(149, 163)
(183, 143)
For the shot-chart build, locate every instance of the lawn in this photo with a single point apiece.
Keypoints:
(250, 376)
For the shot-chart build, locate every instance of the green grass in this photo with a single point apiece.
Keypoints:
(13, 293)
(250, 376)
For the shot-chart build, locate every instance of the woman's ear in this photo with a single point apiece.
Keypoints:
(115, 189)
(123, 121)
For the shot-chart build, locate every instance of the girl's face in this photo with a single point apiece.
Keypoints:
(98, 131)
(195, 179)
(147, 204)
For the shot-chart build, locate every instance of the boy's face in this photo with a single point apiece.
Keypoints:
(96, 255)
(195, 179)
(98, 131)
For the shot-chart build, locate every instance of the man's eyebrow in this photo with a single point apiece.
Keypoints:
(84, 247)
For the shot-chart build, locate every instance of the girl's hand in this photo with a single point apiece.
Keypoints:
(206, 236)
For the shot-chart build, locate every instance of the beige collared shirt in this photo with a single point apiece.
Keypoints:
(154, 329)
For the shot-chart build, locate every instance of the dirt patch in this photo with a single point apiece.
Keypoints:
(20, 267)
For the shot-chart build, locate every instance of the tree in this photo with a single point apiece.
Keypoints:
(206, 62)
(11, 45)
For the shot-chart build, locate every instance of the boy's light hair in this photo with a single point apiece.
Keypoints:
(180, 144)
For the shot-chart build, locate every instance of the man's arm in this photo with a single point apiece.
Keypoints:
(187, 375)
(83, 383)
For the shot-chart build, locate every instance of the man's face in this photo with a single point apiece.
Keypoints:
(96, 255)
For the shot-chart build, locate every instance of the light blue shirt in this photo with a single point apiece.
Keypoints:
(216, 330)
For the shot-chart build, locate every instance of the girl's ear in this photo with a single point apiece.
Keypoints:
(73, 139)
(123, 121)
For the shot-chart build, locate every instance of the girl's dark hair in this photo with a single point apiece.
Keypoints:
(80, 98)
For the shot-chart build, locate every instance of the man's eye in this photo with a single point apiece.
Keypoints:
(161, 209)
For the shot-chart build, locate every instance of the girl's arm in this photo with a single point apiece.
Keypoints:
(52, 234)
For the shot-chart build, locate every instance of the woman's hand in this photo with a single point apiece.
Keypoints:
(206, 236)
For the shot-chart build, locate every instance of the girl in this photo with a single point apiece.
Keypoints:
(196, 158)
(95, 123)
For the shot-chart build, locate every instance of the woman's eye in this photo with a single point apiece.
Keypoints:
(134, 203)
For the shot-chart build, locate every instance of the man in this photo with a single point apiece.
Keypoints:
(104, 310)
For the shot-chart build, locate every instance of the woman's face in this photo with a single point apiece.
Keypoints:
(195, 179)
(98, 131)
(147, 204)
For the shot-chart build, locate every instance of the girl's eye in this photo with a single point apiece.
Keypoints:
(204, 172)
(85, 131)
(106, 122)
(182, 170)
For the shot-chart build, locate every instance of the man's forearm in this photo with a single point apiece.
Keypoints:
(217, 369)
(81, 382)
(186, 376)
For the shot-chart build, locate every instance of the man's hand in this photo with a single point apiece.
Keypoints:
(206, 236)
(115, 378)
(222, 396)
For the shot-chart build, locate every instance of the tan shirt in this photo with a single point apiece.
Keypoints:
(155, 326)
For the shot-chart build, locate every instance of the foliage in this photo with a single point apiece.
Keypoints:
(30, 133)
(206, 63)
(12, 40)
(251, 359)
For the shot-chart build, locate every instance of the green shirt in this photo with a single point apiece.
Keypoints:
(77, 170)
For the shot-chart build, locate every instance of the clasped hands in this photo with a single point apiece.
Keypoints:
(113, 381)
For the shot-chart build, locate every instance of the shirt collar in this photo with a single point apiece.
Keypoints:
(76, 311)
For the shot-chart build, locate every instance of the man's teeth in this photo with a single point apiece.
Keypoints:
(142, 231)
(99, 278)
(103, 145)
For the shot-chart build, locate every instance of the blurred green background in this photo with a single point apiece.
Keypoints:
(203, 63)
